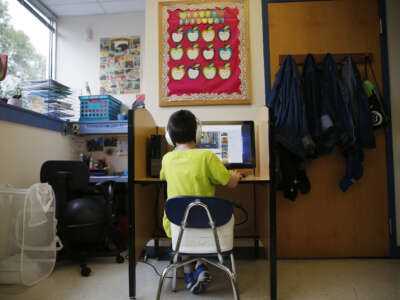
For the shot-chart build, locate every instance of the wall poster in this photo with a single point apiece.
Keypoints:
(120, 65)
(204, 52)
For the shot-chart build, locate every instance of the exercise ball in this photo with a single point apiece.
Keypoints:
(85, 221)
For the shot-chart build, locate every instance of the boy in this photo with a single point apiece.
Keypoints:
(194, 172)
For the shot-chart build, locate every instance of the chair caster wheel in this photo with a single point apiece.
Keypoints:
(119, 259)
(85, 271)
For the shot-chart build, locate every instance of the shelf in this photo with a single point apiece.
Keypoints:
(105, 127)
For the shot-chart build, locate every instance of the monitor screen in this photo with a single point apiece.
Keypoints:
(232, 142)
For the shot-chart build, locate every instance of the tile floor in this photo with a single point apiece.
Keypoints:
(351, 279)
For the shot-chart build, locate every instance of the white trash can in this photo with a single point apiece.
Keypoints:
(28, 237)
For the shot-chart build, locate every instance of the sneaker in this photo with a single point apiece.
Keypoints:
(189, 280)
(201, 276)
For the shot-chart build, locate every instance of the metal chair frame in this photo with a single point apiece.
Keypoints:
(220, 264)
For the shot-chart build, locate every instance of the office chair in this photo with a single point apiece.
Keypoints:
(86, 214)
(201, 227)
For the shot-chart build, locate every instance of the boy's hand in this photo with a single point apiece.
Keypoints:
(233, 182)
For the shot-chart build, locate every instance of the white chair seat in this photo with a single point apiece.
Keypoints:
(201, 241)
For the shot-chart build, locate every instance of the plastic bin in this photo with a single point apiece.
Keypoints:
(28, 240)
(99, 108)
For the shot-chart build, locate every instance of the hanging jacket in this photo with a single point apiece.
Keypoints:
(312, 102)
(335, 105)
(358, 100)
(290, 122)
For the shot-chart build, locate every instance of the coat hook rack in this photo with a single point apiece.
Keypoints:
(358, 58)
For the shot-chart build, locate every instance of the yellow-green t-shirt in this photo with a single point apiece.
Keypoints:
(192, 172)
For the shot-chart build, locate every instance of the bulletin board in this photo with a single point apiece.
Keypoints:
(204, 53)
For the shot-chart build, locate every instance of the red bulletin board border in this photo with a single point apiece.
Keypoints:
(182, 89)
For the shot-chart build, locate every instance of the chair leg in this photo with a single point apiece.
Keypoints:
(161, 281)
(233, 264)
(174, 280)
(231, 274)
(235, 288)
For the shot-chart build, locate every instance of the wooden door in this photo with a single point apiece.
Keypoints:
(327, 222)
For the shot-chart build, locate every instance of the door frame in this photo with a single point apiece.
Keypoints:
(394, 250)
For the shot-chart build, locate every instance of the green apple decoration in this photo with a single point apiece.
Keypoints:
(225, 71)
(182, 15)
(177, 52)
(193, 34)
(209, 72)
(208, 34)
(177, 73)
(193, 52)
(225, 53)
(208, 52)
(193, 72)
(177, 35)
(224, 34)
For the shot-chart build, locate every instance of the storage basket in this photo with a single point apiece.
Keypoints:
(28, 240)
(99, 108)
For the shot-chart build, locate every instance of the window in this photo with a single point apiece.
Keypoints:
(27, 36)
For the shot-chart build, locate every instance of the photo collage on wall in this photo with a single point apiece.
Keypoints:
(120, 65)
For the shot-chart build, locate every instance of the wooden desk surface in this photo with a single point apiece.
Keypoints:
(247, 179)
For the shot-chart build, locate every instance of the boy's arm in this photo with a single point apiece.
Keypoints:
(219, 174)
(233, 182)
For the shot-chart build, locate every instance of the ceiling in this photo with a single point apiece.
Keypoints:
(93, 7)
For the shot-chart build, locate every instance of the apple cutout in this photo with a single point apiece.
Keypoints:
(177, 35)
(202, 13)
(209, 72)
(224, 34)
(178, 72)
(193, 52)
(225, 53)
(225, 71)
(193, 34)
(193, 72)
(208, 52)
(208, 34)
(183, 15)
(177, 52)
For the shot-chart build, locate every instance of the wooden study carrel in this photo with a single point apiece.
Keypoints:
(252, 192)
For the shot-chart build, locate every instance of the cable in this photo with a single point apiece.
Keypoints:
(156, 271)
(246, 214)
(153, 267)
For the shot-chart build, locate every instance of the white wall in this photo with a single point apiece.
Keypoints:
(78, 60)
(393, 23)
(217, 112)
(24, 149)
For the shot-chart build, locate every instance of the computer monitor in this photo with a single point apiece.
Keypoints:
(232, 142)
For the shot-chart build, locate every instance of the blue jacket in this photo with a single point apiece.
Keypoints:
(359, 108)
(286, 99)
(312, 97)
(335, 104)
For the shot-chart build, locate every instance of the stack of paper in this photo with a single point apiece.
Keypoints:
(51, 98)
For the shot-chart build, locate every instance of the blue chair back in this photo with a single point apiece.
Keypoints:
(221, 211)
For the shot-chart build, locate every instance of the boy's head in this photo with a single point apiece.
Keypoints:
(182, 126)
